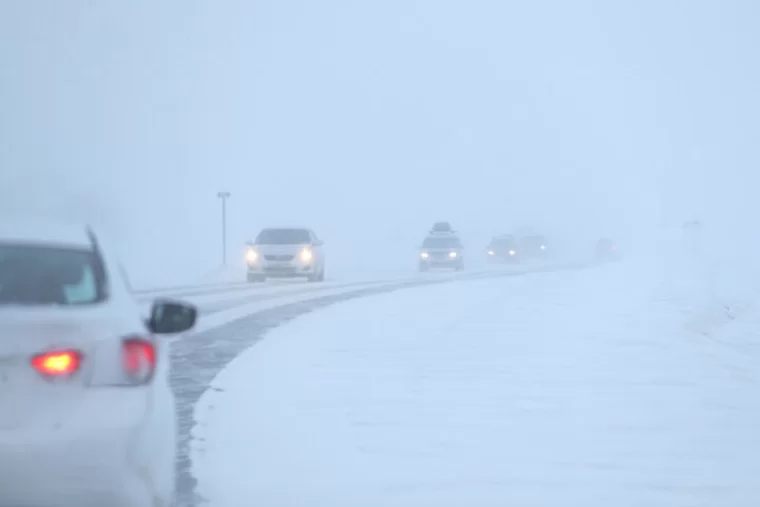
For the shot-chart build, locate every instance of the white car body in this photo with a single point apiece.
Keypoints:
(88, 440)
(286, 260)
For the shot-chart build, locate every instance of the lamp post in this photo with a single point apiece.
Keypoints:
(224, 196)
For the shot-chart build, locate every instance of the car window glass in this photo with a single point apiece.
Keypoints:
(283, 237)
(42, 275)
(84, 291)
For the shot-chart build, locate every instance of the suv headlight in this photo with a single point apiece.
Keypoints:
(424, 255)
(453, 255)
(251, 255)
(306, 255)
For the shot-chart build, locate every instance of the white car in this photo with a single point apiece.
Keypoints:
(285, 253)
(87, 417)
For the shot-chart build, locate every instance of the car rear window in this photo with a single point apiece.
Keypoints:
(283, 237)
(441, 243)
(41, 275)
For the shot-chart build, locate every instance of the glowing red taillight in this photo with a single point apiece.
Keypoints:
(139, 359)
(57, 363)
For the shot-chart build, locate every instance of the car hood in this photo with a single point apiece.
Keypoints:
(441, 250)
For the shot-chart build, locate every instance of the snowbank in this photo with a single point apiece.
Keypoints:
(712, 274)
(577, 388)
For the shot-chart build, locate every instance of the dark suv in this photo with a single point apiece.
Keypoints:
(441, 251)
(504, 249)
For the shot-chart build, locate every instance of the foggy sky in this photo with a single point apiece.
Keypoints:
(368, 120)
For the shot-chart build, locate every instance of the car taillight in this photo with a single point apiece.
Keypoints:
(57, 363)
(139, 359)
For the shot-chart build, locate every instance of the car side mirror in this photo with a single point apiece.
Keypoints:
(171, 317)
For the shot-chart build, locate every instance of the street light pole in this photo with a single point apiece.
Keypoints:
(224, 196)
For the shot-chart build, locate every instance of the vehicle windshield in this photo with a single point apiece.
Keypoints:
(41, 275)
(283, 237)
(503, 242)
(432, 242)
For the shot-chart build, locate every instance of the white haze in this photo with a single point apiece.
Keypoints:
(368, 120)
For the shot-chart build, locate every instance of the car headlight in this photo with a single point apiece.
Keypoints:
(306, 255)
(512, 252)
(251, 255)
(543, 247)
(424, 255)
(491, 252)
(453, 255)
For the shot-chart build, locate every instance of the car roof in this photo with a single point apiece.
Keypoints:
(47, 232)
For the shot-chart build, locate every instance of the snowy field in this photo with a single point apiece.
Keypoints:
(591, 387)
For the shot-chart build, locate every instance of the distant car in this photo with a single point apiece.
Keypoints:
(606, 249)
(534, 246)
(87, 417)
(441, 250)
(504, 248)
(285, 253)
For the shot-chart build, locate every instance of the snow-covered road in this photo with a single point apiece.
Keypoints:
(223, 303)
(569, 388)
(236, 316)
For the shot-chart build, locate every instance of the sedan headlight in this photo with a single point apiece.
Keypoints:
(251, 255)
(453, 255)
(491, 252)
(424, 255)
(306, 255)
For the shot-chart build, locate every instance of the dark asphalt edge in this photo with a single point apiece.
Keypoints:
(197, 359)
